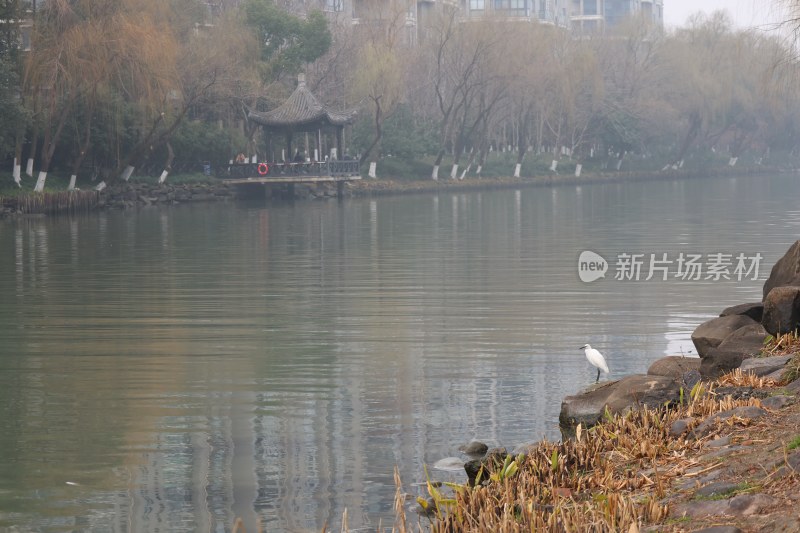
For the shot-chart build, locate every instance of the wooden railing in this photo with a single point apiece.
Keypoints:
(282, 170)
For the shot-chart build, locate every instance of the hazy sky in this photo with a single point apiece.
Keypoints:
(744, 12)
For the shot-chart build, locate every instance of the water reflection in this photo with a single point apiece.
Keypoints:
(187, 366)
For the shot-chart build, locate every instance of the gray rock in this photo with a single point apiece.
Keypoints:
(722, 452)
(753, 310)
(777, 402)
(473, 448)
(762, 366)
(720, 488)
(631, 392)
(720, 442)
(719, 529)
(691, 378)
(450, 464)
(750, 411)
(711, 333)
(786, 270)
(491, 460)
(699, 509)
(750, 504)
(782, 310)
(673, 366)
(793, 387)
(525, 448)
(739, 345)
(793, 460)
(742, 505)
(679, 427)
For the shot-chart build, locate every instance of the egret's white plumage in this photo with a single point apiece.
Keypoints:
(596, 359)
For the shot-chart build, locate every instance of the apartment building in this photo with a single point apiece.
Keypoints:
(584, 16)
(590, 16)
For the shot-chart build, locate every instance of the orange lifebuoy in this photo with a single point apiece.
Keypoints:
(263, 168)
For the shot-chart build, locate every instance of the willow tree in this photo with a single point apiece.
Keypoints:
(380, 72)
(181, 66)
(457, 60)
(530, 74)
(69, 58)
(12, 114)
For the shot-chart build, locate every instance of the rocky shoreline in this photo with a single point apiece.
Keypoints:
(140, 194)
(737, 461)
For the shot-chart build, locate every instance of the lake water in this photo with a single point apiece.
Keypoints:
(171, 369)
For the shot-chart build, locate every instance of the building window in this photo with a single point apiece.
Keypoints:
(334, 5)
(477, 5)
(590, 7)
(516, 8)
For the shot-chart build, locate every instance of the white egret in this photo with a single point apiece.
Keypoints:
(596, 359)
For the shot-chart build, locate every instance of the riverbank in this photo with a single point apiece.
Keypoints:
(381, 187)
(127, 195)
(696, 444)
(728, 457)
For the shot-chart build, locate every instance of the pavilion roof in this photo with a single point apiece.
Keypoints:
(302, 110)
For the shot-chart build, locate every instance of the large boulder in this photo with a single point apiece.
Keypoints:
(711, 333)
(753, 310)
(673, 366)
(741, 344)
(631, 392)
(782, 310)
(764, 366)
(786, 270)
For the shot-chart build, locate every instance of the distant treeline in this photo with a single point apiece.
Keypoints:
(106, 88)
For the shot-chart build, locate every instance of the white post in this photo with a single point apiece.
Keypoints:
(126, 174)
(578, 169)
(553, 165)
(372, 168)
(254, 159)
(619, 164)
(283, 155)
(334, 154)
(316, 154)
(517, 170)
(478, 170)
(163, 177)
(72, 179)
(435, 173)
(40, 181)
(463, 174)
(29, 167)
(17, 171)
(454, 172)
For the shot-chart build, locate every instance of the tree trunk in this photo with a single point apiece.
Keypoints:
(32, 154)
(378, 130)
(168, 164)
(694, 128)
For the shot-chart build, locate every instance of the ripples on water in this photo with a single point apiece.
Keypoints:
(188, 365)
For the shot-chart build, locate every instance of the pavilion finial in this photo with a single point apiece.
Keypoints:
(301, 80)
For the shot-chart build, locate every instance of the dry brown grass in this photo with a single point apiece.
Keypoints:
(611, 478)
(737, 378)
(788, 344)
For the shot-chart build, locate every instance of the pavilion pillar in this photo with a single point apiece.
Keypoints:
(289, 154)
(339, 143)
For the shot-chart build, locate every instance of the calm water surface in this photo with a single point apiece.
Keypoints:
(172, 369)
